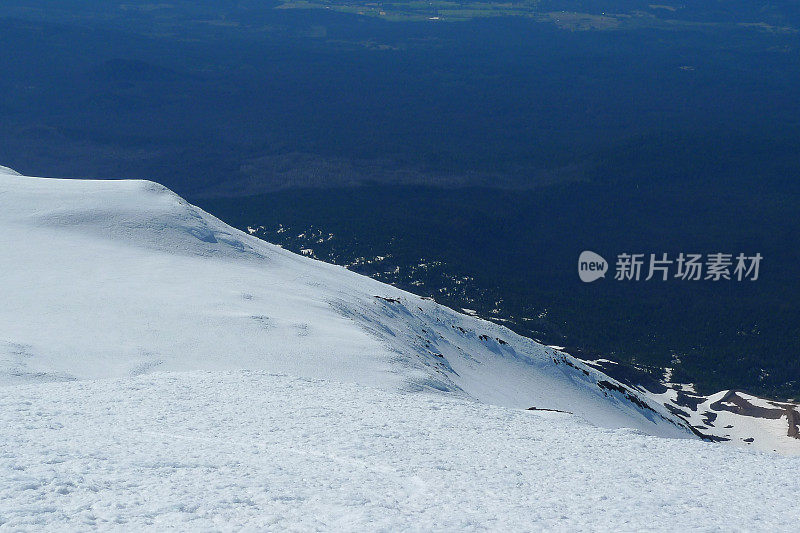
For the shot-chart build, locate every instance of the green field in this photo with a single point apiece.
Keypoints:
(416, 10)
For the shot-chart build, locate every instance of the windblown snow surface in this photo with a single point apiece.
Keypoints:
(160, 369)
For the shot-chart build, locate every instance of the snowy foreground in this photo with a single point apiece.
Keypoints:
(273, 452)
(160, 369)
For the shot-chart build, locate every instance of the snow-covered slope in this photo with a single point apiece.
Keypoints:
(263, 452)
(728, 416)
(119, 278)
(738, 418)
(161, 370)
